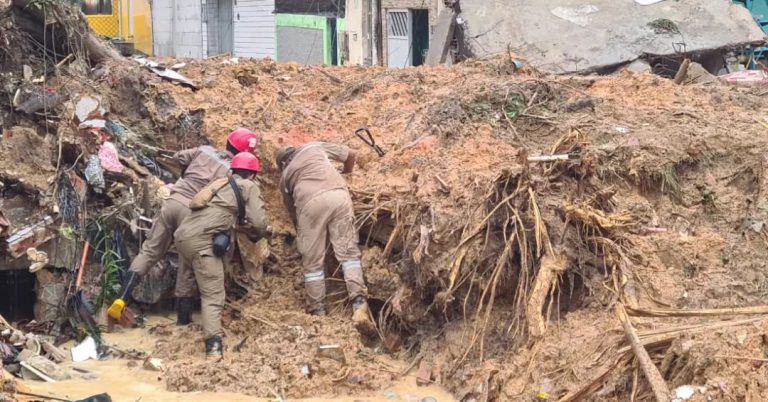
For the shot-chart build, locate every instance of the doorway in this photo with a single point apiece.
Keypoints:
(407, 37)
(17, 294)
(420, 42)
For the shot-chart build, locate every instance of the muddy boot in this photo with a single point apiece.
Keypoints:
(214, 350)
(184, 307)
(361, 317)
(320, 311)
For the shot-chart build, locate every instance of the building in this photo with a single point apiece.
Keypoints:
(127, 23)
(311, 32)
(206, 28)
(394, 33)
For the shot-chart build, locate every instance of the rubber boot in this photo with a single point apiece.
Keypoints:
(320, 311)
(184, 308)
(361, 316)
(214, 349)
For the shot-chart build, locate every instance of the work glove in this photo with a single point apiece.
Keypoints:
(116, 309)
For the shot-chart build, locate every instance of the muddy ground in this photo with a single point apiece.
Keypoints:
(681, 166)
(492, 276)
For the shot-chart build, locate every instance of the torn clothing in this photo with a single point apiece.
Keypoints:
(159, 240)
(329, 217)
(202, 165)
(310, 173)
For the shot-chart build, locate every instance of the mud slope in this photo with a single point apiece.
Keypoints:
(500, 275)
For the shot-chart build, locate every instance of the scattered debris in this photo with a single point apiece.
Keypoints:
(85, 350)
(153, 364)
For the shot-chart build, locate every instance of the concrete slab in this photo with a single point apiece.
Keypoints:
(562, 36)
(441, 39)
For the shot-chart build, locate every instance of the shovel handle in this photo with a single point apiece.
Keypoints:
(79, 280)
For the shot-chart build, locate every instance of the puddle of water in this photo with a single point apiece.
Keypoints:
(132, 384)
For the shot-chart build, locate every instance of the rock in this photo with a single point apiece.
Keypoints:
(153, 364)
(424, 374)
(639, 66)
(37, 365)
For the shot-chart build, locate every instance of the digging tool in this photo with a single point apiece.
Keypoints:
(115, 311)
(81, 307)
(365, 135)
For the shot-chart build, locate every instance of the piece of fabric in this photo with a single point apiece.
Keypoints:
(202, 165)
(94, 174)
(329, 217)
(109, 158)
(311, 173)
(159, 241)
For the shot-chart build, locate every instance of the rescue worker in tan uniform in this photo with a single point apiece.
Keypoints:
(201, 166)
(319, 203)
(215, 214)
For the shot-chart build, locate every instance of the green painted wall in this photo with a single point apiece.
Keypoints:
(314, 22)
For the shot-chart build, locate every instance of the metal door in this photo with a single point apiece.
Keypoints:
(399, 34)
(254, 28)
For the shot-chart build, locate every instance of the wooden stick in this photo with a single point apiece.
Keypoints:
(659, 387)
(698, 327)
(262, 320)
(638, 312)
(754, 359)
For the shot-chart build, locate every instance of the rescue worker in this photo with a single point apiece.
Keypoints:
(320, 206)
(201, 166)
(203, 238)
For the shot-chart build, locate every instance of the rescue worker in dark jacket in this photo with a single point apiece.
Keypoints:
(199, 242)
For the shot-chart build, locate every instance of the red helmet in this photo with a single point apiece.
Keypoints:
(244, 140)
(245, 161)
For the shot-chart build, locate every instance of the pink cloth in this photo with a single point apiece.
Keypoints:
(109, 158)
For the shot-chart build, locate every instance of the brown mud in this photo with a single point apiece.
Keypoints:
(492, 276)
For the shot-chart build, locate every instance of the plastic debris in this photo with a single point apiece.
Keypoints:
(153, 364)
(748, 77)
(85, 350)
(117, 130)
(88, 108)
(109, 158)
(94, 174)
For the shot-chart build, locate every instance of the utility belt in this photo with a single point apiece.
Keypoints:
(221, 241)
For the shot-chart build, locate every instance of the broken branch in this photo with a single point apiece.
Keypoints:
(659, 387)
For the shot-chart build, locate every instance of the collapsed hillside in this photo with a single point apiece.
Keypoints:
(490, 273)
(489, 266)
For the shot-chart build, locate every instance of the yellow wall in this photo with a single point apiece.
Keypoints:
(107, 25)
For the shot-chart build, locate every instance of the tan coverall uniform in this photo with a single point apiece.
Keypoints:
(203, 165)
(194, 241)
(319, 203)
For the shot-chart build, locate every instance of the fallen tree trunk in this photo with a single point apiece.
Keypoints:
(73, 27)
